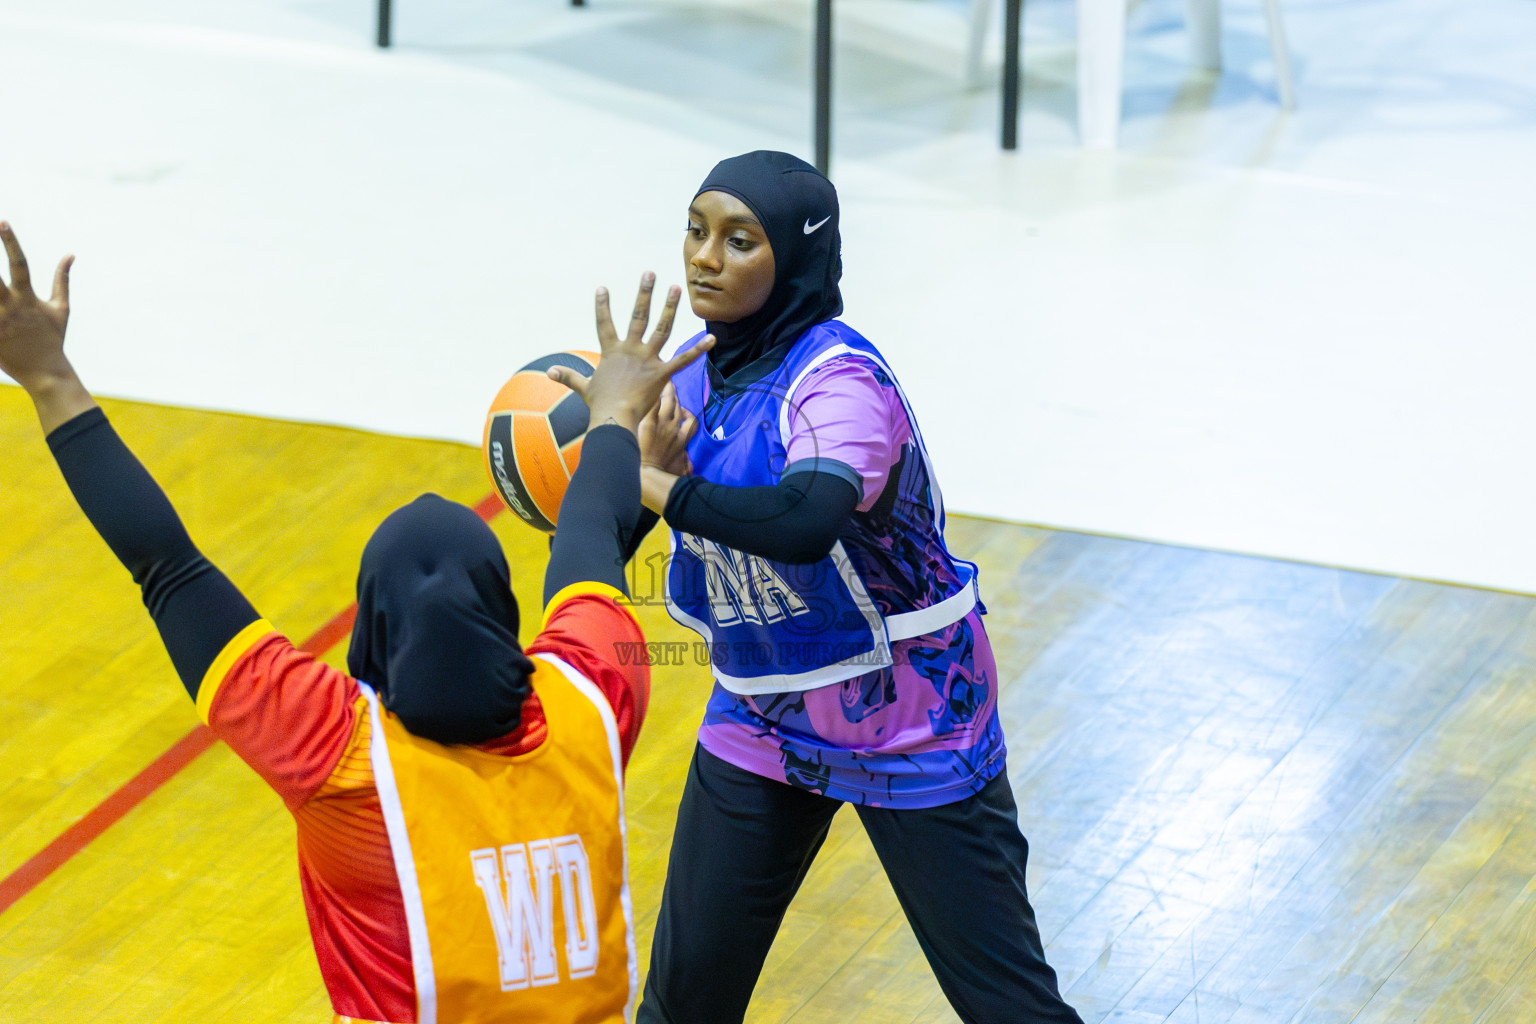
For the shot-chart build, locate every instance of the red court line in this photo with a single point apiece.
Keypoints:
(489, 506)
(162, 769)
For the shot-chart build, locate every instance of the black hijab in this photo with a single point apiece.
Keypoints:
(436, 629)
(797, 207)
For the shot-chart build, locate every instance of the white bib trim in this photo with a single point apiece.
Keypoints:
(611, 727)
(405, 864)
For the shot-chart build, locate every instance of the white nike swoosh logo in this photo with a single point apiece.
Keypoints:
(809, 227)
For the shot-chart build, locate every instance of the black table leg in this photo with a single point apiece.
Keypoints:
(823, 87)
(384, 22)
(1014, 10)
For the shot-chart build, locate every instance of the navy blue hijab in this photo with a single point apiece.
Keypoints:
(436, 629)
(797, 207)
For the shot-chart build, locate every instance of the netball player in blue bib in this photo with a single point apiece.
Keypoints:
(846, 642)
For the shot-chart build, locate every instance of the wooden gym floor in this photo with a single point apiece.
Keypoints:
(1255, 791)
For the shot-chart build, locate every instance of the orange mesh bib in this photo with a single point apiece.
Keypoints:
(513, 868)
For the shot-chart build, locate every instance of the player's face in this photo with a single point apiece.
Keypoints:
(726, 258)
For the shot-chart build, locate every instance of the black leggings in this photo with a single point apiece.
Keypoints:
(743, 845)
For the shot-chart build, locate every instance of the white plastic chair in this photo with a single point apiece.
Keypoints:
(1101, 57)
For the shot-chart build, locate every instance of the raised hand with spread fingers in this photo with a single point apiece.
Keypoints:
(631, 375)
(32, 339)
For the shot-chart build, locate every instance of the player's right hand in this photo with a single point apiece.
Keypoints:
(664, 434)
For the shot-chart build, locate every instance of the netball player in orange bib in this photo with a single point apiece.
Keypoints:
(453, 781)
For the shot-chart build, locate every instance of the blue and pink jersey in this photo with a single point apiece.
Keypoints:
(909, 720)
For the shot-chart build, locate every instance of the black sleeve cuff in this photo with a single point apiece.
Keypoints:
(67, 431)
(831, 467)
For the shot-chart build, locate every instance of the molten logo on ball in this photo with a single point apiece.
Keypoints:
(503, 485)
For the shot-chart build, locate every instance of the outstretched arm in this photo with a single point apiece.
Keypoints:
(602, 505)
(196, 609)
